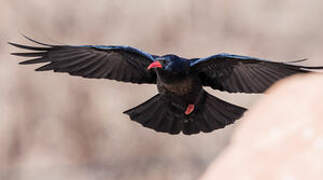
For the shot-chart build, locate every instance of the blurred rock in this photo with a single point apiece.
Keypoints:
(280, 138)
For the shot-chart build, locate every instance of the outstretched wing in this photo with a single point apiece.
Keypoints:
(234, 73)
(121, 63)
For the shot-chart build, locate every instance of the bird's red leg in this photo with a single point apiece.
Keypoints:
(189, 109)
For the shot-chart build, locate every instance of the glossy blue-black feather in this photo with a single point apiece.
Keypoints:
(123, 48)
(223, 56)
(121, 63)
(235, 73)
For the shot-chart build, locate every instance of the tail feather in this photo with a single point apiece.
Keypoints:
(170, 124)
(220, 113)
(155, 114)
(157, 121)
(143, 113)
(163, 115)
(212, 117)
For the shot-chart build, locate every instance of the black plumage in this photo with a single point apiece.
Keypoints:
(181, 105)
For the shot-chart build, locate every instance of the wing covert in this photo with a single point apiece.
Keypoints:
(121, 63)
(234, 73)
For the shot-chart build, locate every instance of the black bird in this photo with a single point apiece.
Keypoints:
(181, 104)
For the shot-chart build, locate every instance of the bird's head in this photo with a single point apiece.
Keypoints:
(170, 63)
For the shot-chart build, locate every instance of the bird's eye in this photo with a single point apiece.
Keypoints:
(163, 62)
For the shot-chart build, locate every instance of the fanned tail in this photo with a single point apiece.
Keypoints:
(162, 114)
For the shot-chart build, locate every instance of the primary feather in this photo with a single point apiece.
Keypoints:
(121, 63)
(234, 73)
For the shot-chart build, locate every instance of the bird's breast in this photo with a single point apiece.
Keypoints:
(180, 87)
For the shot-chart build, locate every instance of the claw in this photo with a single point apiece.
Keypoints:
(189, 109)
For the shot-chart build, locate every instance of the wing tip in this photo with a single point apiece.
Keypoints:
(30, 39)
(15, 44)
(11, 43)
(297, 61)
(37, 42)
(41, 69)
(23, 63)
(33, 48)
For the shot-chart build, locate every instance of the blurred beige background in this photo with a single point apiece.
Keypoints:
(54, 126)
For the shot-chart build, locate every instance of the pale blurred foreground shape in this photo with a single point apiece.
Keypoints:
(280, 138)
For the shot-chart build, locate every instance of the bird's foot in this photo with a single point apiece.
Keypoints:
(189, 109)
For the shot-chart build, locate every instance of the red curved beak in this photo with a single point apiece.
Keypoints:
(155, 64)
